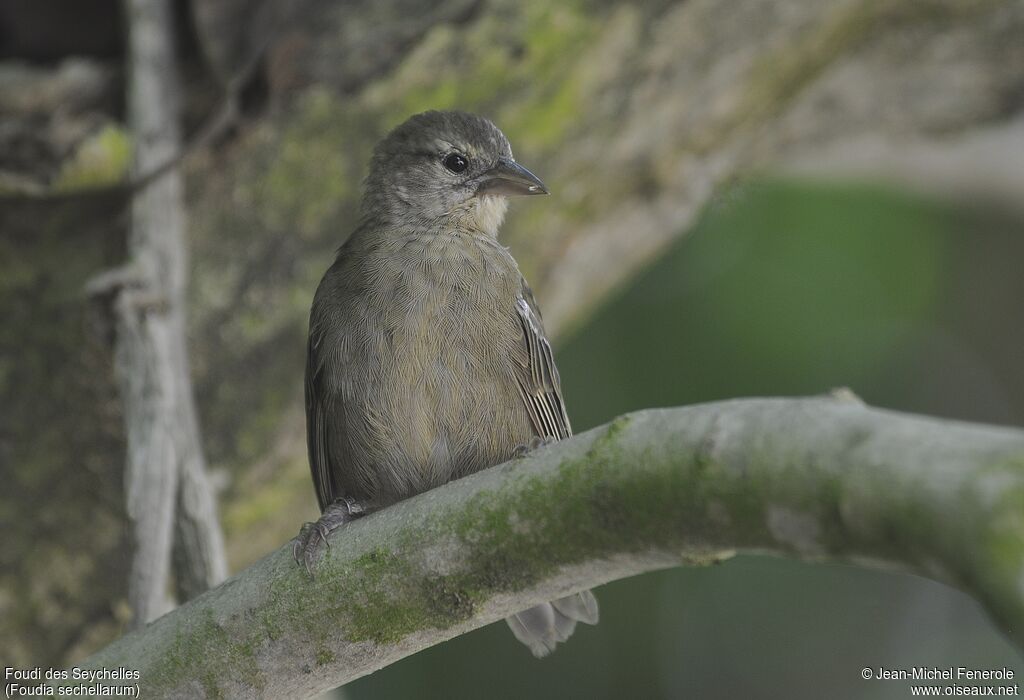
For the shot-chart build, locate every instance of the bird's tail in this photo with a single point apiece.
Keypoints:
(543, 626)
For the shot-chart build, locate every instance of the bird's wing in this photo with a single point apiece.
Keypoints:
(536, 374)
(317, 422)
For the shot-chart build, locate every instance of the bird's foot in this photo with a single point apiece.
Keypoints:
(534, 444)
(307, 545)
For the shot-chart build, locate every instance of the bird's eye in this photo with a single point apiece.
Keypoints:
(455, 162)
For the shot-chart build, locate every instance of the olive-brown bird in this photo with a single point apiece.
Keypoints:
(427, 357)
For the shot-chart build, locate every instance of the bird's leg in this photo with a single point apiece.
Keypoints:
(534, 444)
(313, 536)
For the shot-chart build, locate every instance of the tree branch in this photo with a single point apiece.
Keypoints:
(815, 479)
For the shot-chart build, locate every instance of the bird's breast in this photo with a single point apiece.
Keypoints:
(443, 400)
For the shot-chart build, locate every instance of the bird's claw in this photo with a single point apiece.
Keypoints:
(535, 443)
(313, 536)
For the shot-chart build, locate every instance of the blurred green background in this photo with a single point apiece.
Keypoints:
(783, 288)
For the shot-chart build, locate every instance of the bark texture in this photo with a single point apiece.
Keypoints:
(815, 479)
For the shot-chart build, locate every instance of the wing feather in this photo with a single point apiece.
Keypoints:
(537, 376)
(317, 422)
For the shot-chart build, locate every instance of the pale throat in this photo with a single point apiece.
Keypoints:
(484, 214)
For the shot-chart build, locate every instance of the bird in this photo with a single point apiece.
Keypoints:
(427, 358)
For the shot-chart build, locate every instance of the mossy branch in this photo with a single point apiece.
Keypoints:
(814, 479)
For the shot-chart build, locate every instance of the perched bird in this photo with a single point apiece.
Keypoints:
(427, 358)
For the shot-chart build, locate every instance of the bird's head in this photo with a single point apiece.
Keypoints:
(445, 166)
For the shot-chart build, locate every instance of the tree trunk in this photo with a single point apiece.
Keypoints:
(165, 472)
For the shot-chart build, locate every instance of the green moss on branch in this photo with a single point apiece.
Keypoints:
(817, 479)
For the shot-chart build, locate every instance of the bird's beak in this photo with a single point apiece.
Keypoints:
(510, 178)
